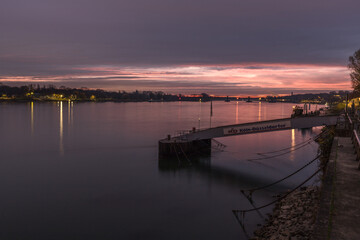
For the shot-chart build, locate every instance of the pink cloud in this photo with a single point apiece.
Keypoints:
(197, 77)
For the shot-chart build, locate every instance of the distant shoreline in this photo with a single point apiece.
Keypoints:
(51, 93)
(132, 101)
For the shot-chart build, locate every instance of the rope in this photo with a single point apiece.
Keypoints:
(292, 174)
(255, 159)
(183, 152)
(177, 156)
(300, 145)
(278, 155)
(280, 150)
(219, 143)
(241, 223)
(304, 142)
(280, 198)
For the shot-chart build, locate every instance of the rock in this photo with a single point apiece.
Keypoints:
(286, 207)
(292, 217)
(273, 238)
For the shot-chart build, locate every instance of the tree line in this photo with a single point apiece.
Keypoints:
(37, 92)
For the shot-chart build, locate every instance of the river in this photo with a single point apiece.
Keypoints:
(91, 171)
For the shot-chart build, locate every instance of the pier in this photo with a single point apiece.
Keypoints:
(200, 140)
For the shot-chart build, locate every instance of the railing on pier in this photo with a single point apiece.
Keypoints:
(181, 134)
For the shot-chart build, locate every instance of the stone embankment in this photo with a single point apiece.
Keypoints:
(293, 217)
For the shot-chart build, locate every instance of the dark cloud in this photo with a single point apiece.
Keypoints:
(51, 37)
(262, 67)
(181, 32)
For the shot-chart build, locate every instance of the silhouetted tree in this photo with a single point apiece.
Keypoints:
(354, 66)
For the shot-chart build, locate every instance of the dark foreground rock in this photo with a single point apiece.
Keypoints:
(293, 217)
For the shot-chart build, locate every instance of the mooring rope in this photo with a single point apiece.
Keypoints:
(177, 156)
(252, 159)
(290, 175)
(183, 152)
(304, 142)
(280, 198)
(252, 204)
(242, 225)
(277, 155)
(220, 145)
(300, 145)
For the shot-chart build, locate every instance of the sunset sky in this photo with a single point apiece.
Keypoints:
(222, 47)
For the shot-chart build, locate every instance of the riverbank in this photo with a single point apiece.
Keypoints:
(293, 217)
(327, 212)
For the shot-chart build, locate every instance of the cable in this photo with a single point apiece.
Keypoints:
(177, 156)
(300, 145)
(219, 143)
(183, 152)
(304, 142)
(280, 198)
(281, 154)
(261, 158)
(292, 174)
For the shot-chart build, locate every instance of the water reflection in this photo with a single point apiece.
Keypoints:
(61, 129)
(259, 114)
(179, 110)
(292, 154)
(264, 114)
(32, 118)
(72, 113)
(237, 113)
(201, 166)
(199, 114)
(119, 146)
(69, 112)
(305, 131)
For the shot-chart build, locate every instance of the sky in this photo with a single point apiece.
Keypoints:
(221, 47)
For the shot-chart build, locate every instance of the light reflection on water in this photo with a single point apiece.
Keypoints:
(259, 118)
(237, 113)
(97, 175)
(69, 112)
(61, 129)
(32, 117)
(293, 143)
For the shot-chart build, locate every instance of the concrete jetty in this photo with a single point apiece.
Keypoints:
(200, 140)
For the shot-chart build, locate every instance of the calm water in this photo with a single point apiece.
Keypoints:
(90, 170)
